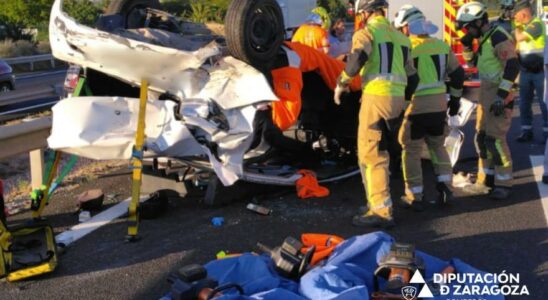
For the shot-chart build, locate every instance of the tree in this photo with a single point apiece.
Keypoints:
(84, 11)
(29, 13)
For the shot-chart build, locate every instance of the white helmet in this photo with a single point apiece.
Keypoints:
(407, 14)
(470, 12)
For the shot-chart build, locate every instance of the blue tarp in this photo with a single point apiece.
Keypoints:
(347, 274)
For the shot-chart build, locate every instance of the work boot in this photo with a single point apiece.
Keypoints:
(500, 193)
(374, 219)
(415, 204)
(525, 137)
(490, 181)
(445, 194)
(545, 179)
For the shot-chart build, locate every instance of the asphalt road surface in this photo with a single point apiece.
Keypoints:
(493, 236)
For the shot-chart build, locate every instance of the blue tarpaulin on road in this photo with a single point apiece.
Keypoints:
(347, 274)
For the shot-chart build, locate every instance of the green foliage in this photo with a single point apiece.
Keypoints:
(336, 8)
(84, 11)
(12, 31)
(25, 12)
(202, 11)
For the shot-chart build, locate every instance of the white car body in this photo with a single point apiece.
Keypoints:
(104, 127)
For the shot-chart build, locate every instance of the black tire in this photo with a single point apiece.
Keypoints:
(254, 31)
(5, 87)
(129, 9)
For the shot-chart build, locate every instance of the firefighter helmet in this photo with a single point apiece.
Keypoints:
(369, 5)
(407, 14)
(470, 12)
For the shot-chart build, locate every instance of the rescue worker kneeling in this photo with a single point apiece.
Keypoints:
(498, 68)
(382, 56)
(286, 74)
(425, 117)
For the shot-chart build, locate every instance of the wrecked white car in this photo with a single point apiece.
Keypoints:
(202, 102)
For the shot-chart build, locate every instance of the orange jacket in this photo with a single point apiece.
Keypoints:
(288, 82)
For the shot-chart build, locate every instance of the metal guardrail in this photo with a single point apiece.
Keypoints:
(24, 137)
(20, 96)
(31, 60)
(27, 137)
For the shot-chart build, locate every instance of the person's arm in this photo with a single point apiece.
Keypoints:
(505, 51)
(468, 54)
(412, 76)
(456, 75)
(530, 32)
(361, 49)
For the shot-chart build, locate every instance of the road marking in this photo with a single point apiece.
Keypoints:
(79, 231)
(537, 163)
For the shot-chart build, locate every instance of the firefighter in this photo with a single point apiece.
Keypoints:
(425, 117)
(381, 55)
(505, 18)
(312, 33)
(286, 73)
(498, 68)
(530, 36)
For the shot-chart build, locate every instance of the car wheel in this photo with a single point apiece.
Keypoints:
(4, 88)
(254, 30)
(131, 10)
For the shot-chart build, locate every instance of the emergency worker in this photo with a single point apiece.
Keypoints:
(505, 18)
(498, 68)
(382, 56)
(530, 37)
(425, 117)
(287, 70)
(312, 33)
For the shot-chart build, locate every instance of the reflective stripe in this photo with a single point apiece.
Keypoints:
(503, 177)
(532, 51)
(506, 161)
(506, 85)
(455, 92)
(431, 86)
(386, 204)
(526, 127)
(444, 178)
(386, 77)
(384, 58)
(442, 68)
(293, 58)
(415, 190)
(488, 171)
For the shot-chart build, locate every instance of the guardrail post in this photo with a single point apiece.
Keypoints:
(31, 66)
(36, 168)
(52, 63)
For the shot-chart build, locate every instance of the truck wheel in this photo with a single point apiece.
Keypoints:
(254, 30)
(131, 11)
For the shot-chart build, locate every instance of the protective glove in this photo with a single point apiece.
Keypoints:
(453, 121)
(339, 90)
(497, 108)
(454, 105)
